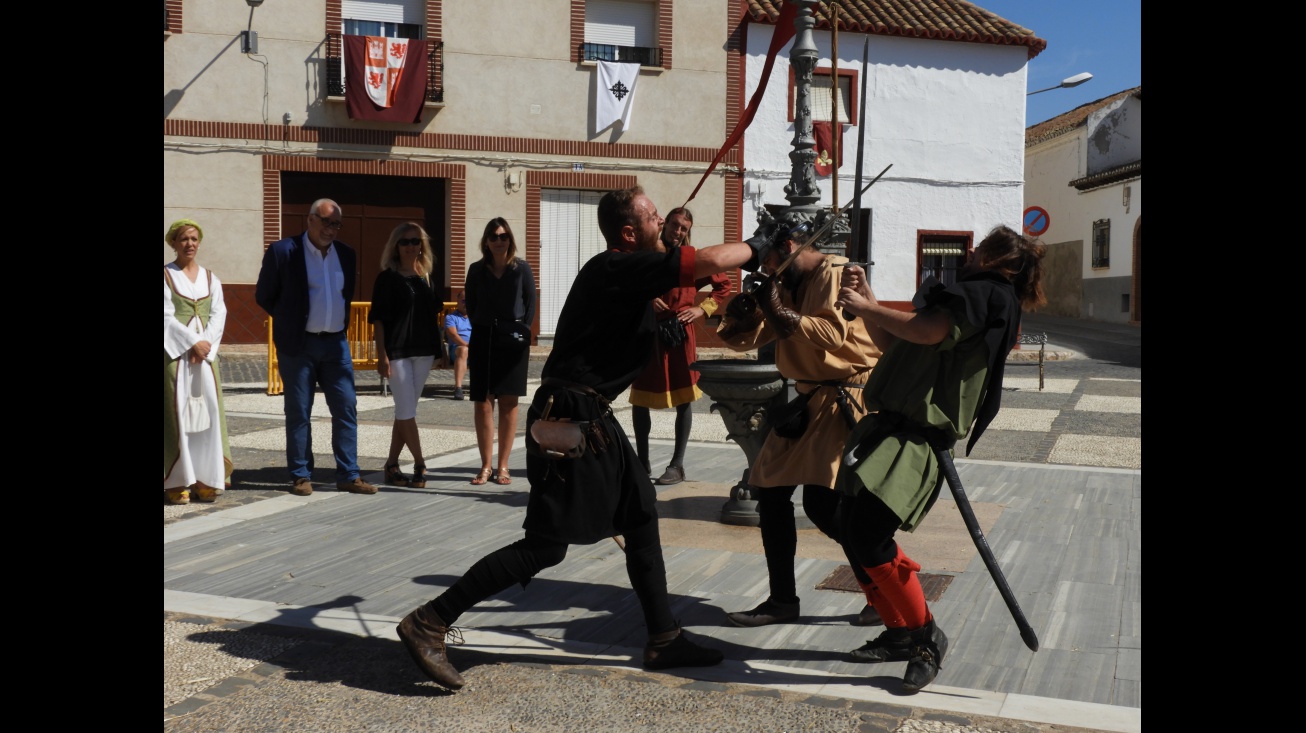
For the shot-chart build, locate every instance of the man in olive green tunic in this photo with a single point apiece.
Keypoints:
(941, 374)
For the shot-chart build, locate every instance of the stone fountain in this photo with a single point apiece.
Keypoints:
(746, 391)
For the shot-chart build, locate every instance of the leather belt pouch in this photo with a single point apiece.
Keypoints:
(559, 438)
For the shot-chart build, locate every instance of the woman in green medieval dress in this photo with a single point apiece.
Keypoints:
(196, 457)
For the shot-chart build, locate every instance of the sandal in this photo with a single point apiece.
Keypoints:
(394, 476)
(177, 496)
(419, 476)
(502, 478)
(483, 476)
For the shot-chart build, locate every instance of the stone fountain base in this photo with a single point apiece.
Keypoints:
(745, 392)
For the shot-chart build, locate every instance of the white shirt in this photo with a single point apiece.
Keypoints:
(326, 280)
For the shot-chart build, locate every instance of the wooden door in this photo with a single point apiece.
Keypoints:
(373, 206)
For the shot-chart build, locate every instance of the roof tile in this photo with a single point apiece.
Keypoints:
(1077, 117)
(950, 20)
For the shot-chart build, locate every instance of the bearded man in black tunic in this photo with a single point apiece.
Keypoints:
(604, 337)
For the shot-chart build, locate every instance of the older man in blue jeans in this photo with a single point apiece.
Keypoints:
(306, 284)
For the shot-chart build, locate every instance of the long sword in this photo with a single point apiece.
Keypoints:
(981, 544)
(855, 237)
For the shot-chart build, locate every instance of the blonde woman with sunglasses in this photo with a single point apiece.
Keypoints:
(405, 322)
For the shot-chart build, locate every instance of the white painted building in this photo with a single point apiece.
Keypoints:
(1084, 183)
(945, 106)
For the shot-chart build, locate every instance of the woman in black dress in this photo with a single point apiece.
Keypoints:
(500, 291)
(404, 317)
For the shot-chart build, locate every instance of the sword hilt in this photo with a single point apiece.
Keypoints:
(865, 266)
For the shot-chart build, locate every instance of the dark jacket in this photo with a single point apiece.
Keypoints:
(282, 289)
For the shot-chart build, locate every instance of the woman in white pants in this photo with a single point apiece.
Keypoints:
(405, 322)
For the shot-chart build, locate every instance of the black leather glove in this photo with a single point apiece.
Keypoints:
(760, 242)
(782, 319)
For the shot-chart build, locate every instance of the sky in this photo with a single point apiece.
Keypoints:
(1102, 37)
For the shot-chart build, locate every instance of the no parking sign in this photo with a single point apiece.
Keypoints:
(1036, 221)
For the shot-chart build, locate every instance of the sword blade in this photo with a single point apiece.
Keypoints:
(861, 152)
(856, 237)
(982, 544)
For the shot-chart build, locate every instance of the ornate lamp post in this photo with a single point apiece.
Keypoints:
(801, 192)
(745, 391)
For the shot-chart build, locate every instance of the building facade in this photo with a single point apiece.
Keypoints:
(1084, 198)
(945, 107)
(254, 132)
(258, 125)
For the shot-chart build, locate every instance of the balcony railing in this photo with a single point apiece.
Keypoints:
(335, 63)
(629, 54)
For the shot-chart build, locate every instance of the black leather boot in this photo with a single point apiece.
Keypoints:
(892, 645)
(868, 617)
(423, 632)
(928, 645)
(665, 651)
(767, 612)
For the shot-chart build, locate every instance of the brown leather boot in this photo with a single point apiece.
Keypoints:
(423, 632)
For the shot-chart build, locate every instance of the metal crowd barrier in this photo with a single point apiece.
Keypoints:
(362, 344)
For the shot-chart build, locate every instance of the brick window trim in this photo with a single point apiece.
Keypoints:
(578, 30)
(173, 8)
(537, 180)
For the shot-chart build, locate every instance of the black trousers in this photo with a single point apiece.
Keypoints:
(525, 558)
(775, 511)
(867, 526)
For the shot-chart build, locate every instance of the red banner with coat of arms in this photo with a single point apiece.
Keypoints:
(821, 131)
(385, 78)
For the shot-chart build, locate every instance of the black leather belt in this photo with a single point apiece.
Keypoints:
(325, 333)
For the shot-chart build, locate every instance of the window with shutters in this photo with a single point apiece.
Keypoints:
(569, 237)
(631, 31)
(389, 19)
(1102, 243)
(396, 19)
(823, 101)
(942, 255)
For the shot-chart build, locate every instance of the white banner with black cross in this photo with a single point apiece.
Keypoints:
(614, 94)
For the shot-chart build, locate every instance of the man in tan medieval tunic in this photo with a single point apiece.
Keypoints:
(828, 359)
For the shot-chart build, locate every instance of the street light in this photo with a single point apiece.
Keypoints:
(1067, 83)
(248, 38)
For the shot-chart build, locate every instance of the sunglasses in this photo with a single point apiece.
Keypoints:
(499, 238)
(330, 223)
(414, 242)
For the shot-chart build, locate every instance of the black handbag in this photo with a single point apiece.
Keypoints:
(672, 332)
(790, 421)
(512, 335)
